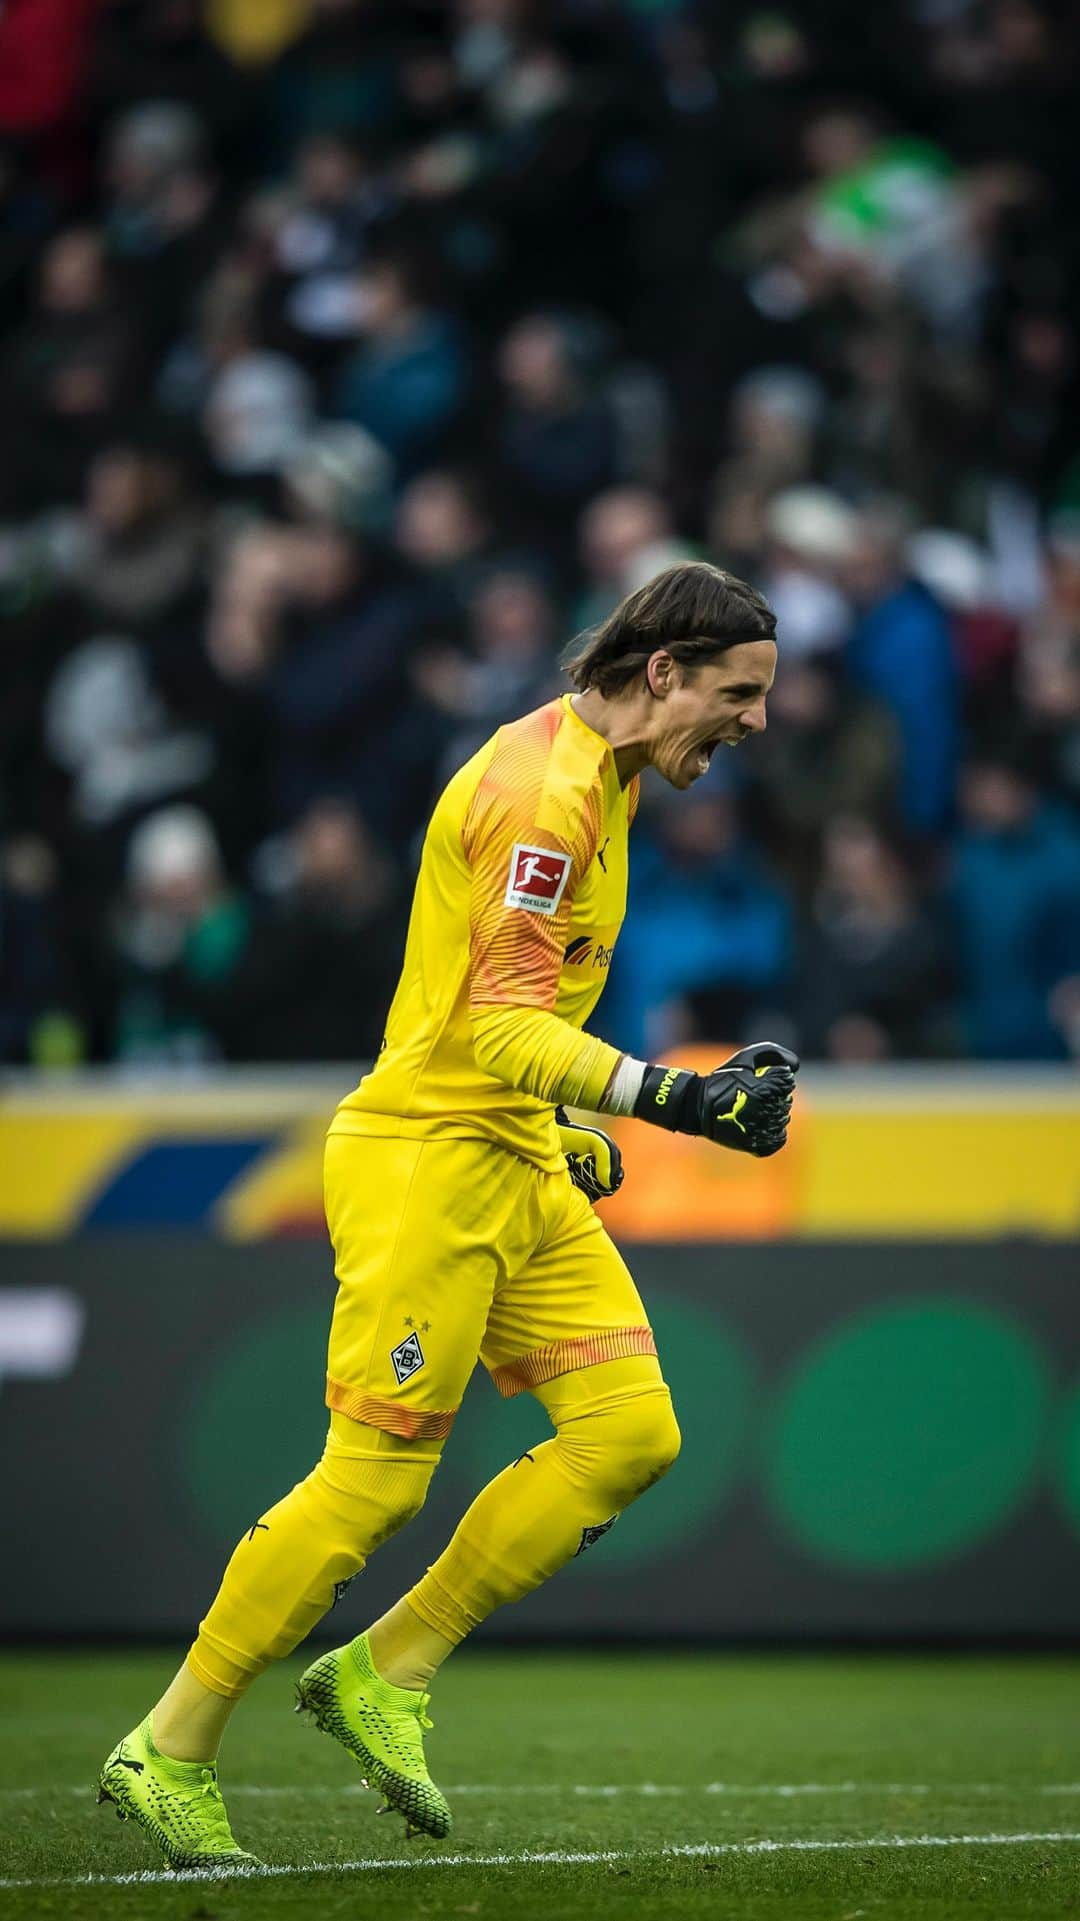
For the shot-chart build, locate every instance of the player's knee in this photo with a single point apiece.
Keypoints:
(372, 1494)
(406, 1504)
(643, 1444)
(378, 1513)
(658, 1438)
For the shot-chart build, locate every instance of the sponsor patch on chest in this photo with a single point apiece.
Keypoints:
(585, 953)
(537, 879)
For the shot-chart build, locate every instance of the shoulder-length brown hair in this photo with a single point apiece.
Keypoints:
(695, 611)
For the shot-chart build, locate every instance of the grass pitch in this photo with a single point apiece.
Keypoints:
(604, 1786)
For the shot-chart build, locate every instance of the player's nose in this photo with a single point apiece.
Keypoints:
(753, 718)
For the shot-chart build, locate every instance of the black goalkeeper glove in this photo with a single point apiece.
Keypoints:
(745, 1104)
(591, 1155)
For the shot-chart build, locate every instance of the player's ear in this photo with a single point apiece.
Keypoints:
(661, 673)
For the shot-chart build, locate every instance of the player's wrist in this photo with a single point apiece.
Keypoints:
(670, 1097)
(623, 1088)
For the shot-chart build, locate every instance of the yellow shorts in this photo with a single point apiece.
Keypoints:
(449, 1251)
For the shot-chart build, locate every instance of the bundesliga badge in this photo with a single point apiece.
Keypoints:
(408, 1358)
(537, 878)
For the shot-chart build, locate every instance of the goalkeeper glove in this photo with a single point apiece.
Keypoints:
(591, 1155)
(744, 1104)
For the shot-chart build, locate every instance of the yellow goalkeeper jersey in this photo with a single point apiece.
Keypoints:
(519, 901)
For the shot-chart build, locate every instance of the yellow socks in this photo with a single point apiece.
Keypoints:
(404, 1649)
(616, 1435)
(291, 1566)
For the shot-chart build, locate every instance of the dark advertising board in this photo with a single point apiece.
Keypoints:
(879, 1440)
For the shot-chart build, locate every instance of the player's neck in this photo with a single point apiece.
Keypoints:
(622, 723)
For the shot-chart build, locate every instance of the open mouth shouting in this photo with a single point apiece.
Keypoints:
(702, 754)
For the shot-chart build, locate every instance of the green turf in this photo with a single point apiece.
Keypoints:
(928, 1747)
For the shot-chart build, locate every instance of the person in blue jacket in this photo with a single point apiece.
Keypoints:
(901, 651)
(1015, 896)
(713, 929)
(406, 383)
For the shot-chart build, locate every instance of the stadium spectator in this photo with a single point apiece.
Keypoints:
(1015, 896)
(809, 538)
(315, 621)
(444, 530)
(556, 437)
(712, 930)
(339, 201)
(901, 652)
(109, 731)
(407, 383)
(179, 924)
(775, 416)
(287, 970)
(33, 986)
(66, 376)
(869, 974)
(339, 72)
(1048, 665)
(888, 207)
(166, 218)
(318, 979)
(134, 555)
(354, 357)
(616, 529)
(258, 411)
(509, 668)
(337, 474)
(960, 575)
(828, 751)
(44, 56)
(255, 31)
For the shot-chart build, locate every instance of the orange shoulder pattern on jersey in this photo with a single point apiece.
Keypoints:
(633, 796)
(540, 795)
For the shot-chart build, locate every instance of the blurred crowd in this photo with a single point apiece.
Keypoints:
(353, 356)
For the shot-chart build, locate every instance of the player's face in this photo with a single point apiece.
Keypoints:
(698, 709)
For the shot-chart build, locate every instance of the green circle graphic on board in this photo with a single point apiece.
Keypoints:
(1069, 1474)
(254, 1424)
(711, 1376)
(908, 1434)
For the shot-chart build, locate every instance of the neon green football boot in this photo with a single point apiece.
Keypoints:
(382, 1727)
(177, 1803)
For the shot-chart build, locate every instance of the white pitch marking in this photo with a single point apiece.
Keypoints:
(772, 1790)
(558, 1857)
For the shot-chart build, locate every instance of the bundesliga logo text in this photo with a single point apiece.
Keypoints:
(537, 878)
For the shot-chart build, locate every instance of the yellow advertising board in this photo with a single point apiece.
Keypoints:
(916, 1153)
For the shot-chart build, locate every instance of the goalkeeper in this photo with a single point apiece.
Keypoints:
(457, 1198)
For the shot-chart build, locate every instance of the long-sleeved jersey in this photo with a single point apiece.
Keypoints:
(519, 901)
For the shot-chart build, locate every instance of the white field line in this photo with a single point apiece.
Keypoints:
(766, 1790)
(560, 1857)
